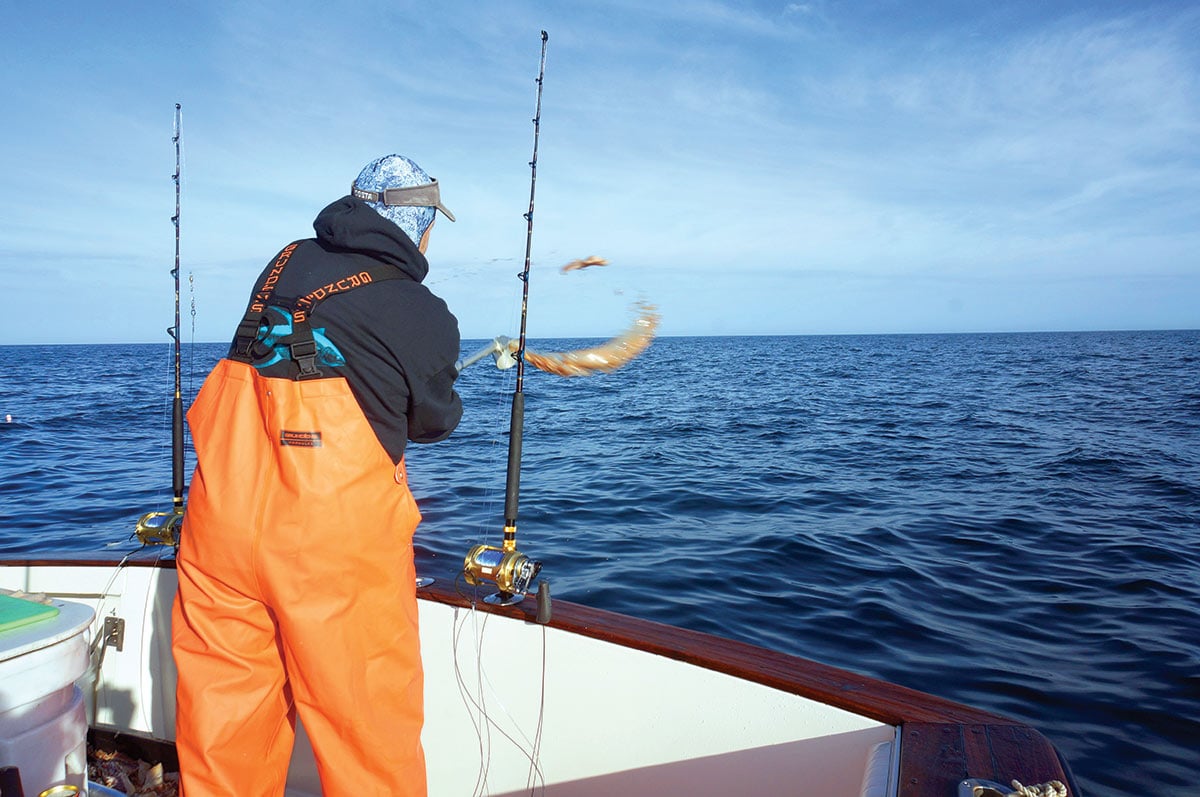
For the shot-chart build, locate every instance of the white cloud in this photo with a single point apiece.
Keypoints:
(688, 140)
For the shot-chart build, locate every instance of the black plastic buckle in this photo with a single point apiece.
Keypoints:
(304, 352)
(246, 335)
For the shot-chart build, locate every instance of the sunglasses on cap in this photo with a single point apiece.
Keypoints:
(420, 196)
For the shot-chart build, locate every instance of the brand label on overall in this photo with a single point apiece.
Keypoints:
(301, 439)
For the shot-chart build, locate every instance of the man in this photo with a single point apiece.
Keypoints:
(296, 579)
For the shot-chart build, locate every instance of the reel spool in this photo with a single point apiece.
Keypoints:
(159, 528)
(510, 570)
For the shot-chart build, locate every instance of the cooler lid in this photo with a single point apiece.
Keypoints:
(33, 629)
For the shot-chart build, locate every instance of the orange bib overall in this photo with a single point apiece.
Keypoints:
(296, 594)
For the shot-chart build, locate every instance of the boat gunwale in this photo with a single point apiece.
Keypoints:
(942, 741)
(871, 697)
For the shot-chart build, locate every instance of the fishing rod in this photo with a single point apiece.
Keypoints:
(162, 528)
(506, 567)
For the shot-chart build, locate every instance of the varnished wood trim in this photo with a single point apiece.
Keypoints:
(879, 700)
(141, 559)
(936, 757)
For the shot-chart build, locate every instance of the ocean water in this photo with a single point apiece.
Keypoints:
(1010, 520)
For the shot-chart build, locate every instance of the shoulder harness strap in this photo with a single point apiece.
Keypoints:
(249, 345)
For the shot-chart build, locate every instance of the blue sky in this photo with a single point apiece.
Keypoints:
(751, 168)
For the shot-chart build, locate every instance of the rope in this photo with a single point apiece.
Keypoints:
(1054, 788)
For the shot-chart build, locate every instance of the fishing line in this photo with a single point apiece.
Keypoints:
(192, 340)
(162, 436)
(191, 382)
(533, 753)
(98, 638)
(529, 753)
(191, 386)
(478, 701)
(469, 702)
(96, 629)
(535, 762)
(485, 763)
(495, 432)
(162, 528)
(159, 448)
(148, 607)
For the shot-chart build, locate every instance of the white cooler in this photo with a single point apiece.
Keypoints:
(43, 726)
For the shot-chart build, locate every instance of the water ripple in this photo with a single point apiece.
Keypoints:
(1007, 520)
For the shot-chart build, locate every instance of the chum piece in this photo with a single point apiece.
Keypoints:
(606, 357)
(576, 265)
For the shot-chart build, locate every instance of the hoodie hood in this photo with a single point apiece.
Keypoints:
(351, 224)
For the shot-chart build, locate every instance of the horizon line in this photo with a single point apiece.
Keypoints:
(170, 342)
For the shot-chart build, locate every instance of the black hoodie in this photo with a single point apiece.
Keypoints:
(399, 342)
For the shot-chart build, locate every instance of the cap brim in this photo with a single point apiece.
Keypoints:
(418, 196)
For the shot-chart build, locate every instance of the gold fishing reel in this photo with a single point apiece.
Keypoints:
(509, 569)
(160, 528)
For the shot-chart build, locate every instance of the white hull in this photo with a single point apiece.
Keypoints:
(643, 715)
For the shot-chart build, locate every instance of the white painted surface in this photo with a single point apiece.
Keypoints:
(615, 720)
(621, 721)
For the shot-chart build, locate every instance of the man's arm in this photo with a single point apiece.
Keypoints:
(434, 407)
